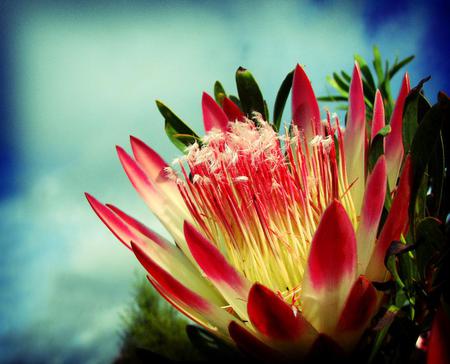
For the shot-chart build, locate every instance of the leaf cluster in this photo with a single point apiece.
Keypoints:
(249, 99)
(380, 78)
(419, 263)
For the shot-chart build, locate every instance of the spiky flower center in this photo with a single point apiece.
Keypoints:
(259, 197)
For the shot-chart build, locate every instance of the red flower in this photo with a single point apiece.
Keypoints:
(276, 235)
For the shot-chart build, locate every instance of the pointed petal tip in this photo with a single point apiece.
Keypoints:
(359, 307)
(356, 74)
(305, 109)
(378, 117)
(134, 139)
(188, 228)
(213, 115)
(149, 159)
(110, 219)
(120, 151)
(332, 257)
(270, 315)
(134, 246)
(274, 318)
(232, 111)
(135, 143)
(141, 228)
(92, 200)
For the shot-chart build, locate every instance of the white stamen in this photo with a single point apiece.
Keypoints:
(315, 141)
(241, 179)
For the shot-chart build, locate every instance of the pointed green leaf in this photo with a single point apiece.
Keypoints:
(249, 93)
(396, 248)
(280, 101)
(376, 148)
(385, 89)
(344, 86)
(377, 64)
(266, 110)
(176, 129)
(346, 76)
(398, 66)
(382, 329)
(236, 100)
(334, 84)
(411, 116)
(369, 93)
(219, 93)
(332, 98)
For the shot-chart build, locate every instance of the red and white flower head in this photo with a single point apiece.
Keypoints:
(276, 235)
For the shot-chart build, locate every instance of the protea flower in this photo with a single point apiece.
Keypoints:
(277, 236)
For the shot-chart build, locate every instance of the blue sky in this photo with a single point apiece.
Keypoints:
(78, 79)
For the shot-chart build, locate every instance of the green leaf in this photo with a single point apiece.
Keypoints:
(423, 145)
(399, 262)
(346, 77)
(429, 240)
(249, 93)
(331, 98)
(344, 86)
(281, 99)
(176, 129)
(377, 64)
(266, 110)
(383, 328)
(420, 201)
(386, 91)
(334, 84)
(376, 148)
(236, 100)
(396, 249)
(411, 116)
(219, 93)
(398, 66)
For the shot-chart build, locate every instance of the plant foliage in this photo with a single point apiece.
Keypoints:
(418, 264)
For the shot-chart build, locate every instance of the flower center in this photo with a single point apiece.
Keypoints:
(259, 197)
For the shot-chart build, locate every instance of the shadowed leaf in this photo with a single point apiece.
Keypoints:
(249, 93)
(219, 93)
(280, 101)
(176, 129)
